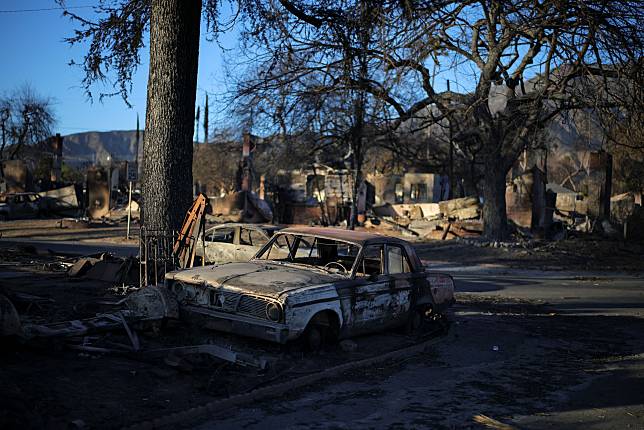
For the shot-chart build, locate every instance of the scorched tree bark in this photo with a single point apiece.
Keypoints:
(172, 86)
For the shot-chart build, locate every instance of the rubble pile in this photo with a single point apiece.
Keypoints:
(108, 268)
(30, 256)
(448, 219)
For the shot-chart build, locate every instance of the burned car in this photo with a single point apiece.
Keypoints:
(19, 205)
(234, 242)
(316, 284)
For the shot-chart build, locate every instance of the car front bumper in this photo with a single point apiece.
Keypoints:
(239, 324)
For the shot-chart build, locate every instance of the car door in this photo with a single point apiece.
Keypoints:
(34, 204)
(403, 280)
(220, 244)
(250, 241)
(371, 309)
(19, 207)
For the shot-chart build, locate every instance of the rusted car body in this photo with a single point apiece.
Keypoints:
(19, 205)
(328, 283)
(230, 242)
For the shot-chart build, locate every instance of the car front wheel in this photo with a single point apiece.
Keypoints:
(314, 337)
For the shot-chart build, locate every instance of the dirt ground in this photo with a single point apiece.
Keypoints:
(578, 253)
(45, 384)
(520, 362)
(537, 340)
(66, 229)
(511, 362)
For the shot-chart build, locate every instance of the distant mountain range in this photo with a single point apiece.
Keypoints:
(94, 147)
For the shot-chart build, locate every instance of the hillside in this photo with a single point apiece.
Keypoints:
(95, 146)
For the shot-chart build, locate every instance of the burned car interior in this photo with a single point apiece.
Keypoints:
(238, 235)
(332, 255)
(337, 256)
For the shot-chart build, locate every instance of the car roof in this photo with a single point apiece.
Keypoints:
(358, 237)
(248, 225)
(25, 193)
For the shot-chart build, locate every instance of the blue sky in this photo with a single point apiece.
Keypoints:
(34, 53)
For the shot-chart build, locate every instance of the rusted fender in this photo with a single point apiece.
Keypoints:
(442, 288)
(9, 320)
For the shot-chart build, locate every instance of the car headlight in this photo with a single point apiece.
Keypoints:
(273, 312)
(184, 292)
(178, 287)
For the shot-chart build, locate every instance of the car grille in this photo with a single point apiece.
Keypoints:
(253, 306)
(220, 299)
(230, 302)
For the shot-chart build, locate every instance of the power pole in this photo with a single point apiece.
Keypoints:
(3, 119)
(132, 176)
(197, 125)
(205, 121)
(2, 150)
(451, 155)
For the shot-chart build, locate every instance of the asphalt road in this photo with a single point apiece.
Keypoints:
(570, 293)
(73, 248)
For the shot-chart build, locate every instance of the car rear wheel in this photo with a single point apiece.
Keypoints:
(415, 320)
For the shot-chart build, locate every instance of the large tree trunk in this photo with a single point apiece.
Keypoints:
(495, 219)
(169, 121)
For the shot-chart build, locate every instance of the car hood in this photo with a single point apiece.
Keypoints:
(256, 277)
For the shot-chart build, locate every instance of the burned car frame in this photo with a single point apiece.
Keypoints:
(230, 242)
(20, 206)
(316, 283)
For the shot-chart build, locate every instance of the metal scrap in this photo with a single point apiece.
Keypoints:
(223, 353)
(105, 267)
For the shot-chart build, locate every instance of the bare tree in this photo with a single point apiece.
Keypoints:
(314, 61)
(524, 61)
(116, 39)
(25, 118)
(620, 113)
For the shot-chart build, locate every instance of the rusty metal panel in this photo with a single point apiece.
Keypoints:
(98, 192)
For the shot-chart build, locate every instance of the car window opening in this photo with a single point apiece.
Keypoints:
(331, 255)
(372, 261)
(397, 260)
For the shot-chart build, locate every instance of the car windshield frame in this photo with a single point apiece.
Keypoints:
(266, 248)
